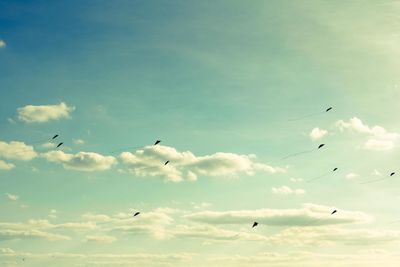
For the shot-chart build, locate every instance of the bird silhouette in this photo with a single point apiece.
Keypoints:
(254, 224)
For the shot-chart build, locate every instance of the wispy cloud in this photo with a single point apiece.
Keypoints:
(100, 238)
(286, 191)
(310, 214)
(12, 197)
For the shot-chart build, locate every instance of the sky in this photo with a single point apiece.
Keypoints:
(234, 90)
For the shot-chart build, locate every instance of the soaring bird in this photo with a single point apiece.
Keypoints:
(136, 214)
(54, 137)
(333, 212)
(335, 169)
(393, 173)
(328, 109)
(254, 224)
(157, 142)
(321, 145)
(60, 144)
(166, 162)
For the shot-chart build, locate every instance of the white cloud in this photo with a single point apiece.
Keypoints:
(79, 141)
(296, 180)
(210, 232)
(48, 145)
(332, 235)
(29, 234)
(351, 176)
(149, 161)
(6, 166)
(16, 151)
(376, 173)
(44, 113)
(100, 238)
(309, 215)
(12, 197)
(317, 133)
(2, 44)
(377, 137)
(285, 191)
(82, 161)
(101, 259)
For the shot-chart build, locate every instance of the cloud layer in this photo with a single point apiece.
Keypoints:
(309, 215)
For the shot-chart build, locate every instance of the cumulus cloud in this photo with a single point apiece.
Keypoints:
(317, 133)
(377, 137)
(44, 113)
(285, 191)
(2, 44)
(16, 151)
(82, 161)
(149, 161)
(308, 215)
(6, 166)
(12, 197)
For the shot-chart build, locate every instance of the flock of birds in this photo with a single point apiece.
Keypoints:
(255, 223)
(157, 142)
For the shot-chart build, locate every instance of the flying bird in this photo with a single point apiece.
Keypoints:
(378, 180)
(157, 142)
(136, 214)
(254, 224)
(54, 137)
(60, 144)
(302, 152)
(166, 162)
(321, 176)
(311, 115)
(333, 212)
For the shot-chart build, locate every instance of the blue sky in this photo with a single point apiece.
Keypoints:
(218, 82)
